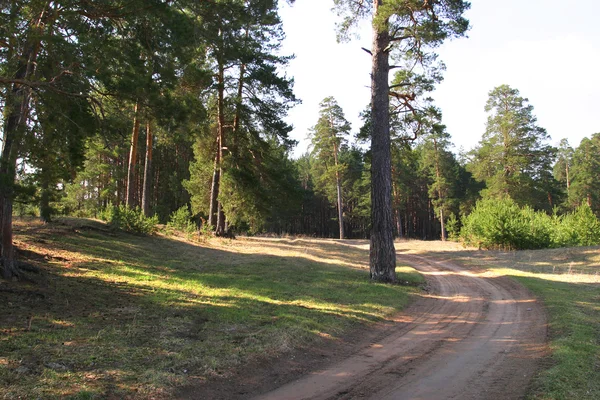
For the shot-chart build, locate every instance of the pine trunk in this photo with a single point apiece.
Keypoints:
(129, 200)
(214, 190)
(147, 171)
(338, 184)
(220, 228)
(382, 251)
(45, 210)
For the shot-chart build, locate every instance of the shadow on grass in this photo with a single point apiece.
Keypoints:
(130, 316)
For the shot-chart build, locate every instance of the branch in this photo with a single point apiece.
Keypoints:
(400, 85)
(367, 50)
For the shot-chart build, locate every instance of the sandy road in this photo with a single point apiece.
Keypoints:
(472, 337)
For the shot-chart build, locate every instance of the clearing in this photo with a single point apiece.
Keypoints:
(113, 315)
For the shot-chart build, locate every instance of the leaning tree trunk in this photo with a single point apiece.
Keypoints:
(382, 251)
(129, 200)
(147, 169)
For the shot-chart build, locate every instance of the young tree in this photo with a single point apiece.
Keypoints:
(438, 163)
(408, 30)
(327, 137)
(513, 157)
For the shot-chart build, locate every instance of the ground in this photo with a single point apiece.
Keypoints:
(103, 314)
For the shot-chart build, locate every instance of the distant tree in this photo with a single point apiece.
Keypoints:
(585, 186)
(327, 138)
(513, 157)
(439, 164)
(407, 30)
(562, 168)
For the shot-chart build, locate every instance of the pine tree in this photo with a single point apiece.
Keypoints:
(408, 30)
(327, 138)
(513, 157)
(585, 186)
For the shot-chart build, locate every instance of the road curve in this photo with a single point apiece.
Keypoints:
(473, 336)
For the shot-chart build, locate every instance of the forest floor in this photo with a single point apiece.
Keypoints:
(113, 315)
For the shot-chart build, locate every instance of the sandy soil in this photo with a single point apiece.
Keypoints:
(473, 336)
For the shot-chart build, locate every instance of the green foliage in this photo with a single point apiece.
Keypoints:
(585, 172)
(453, 227)
(181, 220)
(579, 228)
(513, 157)
(129, 219)
(502, 224)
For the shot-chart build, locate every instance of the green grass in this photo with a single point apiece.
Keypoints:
(568, 282)
(125, 316)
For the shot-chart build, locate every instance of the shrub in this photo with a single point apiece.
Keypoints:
(502, 224)
(182, 220)
(579, 228)
(129, 219)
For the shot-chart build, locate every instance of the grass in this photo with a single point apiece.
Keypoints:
(568, 282)
(113, 315)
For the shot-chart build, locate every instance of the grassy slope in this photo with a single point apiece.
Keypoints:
(118, 315)
(568, 282)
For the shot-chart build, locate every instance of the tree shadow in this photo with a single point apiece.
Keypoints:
(119, 315)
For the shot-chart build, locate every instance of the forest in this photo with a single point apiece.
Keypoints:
(175, 112)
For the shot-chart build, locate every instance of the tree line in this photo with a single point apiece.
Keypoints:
(154, 106)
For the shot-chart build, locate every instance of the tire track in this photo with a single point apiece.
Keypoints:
(472, 337)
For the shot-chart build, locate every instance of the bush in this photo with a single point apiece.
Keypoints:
(129, 219)
(580, 228)
(182, 220)
(502, 224)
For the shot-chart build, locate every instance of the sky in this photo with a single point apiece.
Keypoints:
(547, 49)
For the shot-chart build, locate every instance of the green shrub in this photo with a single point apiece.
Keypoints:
(579, 228)
(502, 224)
(453, 227)
(182, 220)
(129, 219)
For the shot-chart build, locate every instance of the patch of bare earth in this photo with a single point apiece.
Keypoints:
(472, 336)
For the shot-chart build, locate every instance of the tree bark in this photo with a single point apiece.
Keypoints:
(147, 171)
(15, 118)
(214, 190)
(129, 200)
(220, 218)
(382, 252)
(45, 210)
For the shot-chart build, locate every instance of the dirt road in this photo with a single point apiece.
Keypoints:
(472, 337)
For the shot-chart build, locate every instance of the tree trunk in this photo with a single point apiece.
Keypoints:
(147, 169)
(129, 200)
(338, 183)
(220, 228)
(382, 252)
(45, 210)
(440, 194)
(214, 190)
(443, 224)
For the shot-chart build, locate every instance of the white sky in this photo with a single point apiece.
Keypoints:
(547, 49)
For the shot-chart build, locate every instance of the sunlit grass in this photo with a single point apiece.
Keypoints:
(116, 315)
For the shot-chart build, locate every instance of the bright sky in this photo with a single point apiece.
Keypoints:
(547, 49)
